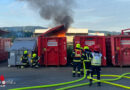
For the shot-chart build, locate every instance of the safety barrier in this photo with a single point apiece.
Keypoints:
(107, 81)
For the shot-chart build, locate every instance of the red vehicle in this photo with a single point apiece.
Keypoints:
(118, 49)
(5, 44)
(91, 41)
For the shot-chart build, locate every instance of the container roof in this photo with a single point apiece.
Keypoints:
(3, 32)
(77, 30)
(24, 44)
(70, 30)
(54, 30)
(96, 34)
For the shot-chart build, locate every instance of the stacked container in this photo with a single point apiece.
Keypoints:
(5, 44)
(91, 41)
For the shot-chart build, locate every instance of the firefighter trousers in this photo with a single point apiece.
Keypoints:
(76, 65)
(88, 67)
(95, 69)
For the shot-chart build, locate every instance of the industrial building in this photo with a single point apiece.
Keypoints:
(71, 32)
(2, 32)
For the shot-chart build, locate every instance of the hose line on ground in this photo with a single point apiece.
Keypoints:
(54, 85)
(103, 81)
(83, 84)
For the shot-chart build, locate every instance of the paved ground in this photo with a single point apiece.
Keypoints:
(51, 75)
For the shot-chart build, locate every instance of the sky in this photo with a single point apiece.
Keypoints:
(109, 15)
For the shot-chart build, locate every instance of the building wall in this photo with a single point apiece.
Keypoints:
(71, 32)
(71, 36)
(96, 34)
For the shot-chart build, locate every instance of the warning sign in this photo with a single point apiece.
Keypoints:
(52, 44)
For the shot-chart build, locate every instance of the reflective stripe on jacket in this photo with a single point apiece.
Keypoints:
(87, 56)
(76, 60)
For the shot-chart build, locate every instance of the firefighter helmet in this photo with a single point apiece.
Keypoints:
(86, 47)
(78, 45)
(34, 55)
(25, 52)
(96, 48)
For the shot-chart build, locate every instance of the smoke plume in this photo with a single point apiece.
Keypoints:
(59, 11)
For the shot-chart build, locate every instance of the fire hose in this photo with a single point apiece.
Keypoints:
(54, 85)
(103, 81)
(107, 81)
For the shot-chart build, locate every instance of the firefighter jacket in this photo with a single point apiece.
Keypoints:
(97, 57)
(24, 58)
(34, 59)
(77, 53)
(87, 56)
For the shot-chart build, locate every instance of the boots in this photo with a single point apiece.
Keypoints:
(90, 84)
(22, 67)
(99, 83)
(78, 75)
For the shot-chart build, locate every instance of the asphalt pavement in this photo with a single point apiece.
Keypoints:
(17, 78)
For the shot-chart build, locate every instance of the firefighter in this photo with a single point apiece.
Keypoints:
(35, 60)
(77, 53)
(87, 57)
(24, 59)
(96, 64)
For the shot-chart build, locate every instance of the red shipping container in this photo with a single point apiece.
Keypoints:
(91, 41)
(52, 50)
(125, 31)
(5, 44)
(118, 50)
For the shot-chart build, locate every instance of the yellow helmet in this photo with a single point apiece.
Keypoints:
(86, 47)
(34, 55)
(78, 45)
(25, 52)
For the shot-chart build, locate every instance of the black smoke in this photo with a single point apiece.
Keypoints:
(59, 11)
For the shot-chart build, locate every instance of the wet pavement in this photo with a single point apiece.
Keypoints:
(17, 77)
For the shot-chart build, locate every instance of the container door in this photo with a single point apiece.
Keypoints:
(11, 60)
(41, 46)
(116, 52)
(51, 56)
(126, 57)
(1, 50)
(125, 42)
(62, 51)
(18, 55)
